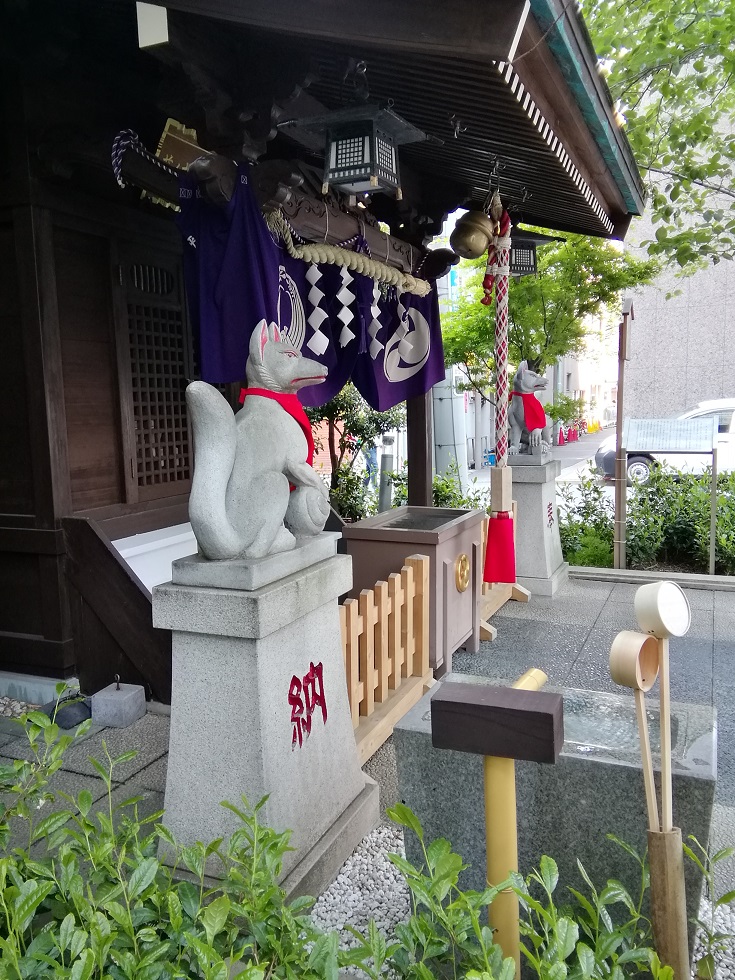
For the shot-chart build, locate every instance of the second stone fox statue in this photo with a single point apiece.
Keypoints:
(254, 490)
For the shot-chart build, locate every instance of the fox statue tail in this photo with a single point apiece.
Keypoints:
(215, 443)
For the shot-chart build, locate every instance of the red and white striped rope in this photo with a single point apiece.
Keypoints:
(496, 279)
(501, 351)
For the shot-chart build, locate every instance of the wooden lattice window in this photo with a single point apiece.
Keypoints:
(158, 358)
(159, 364)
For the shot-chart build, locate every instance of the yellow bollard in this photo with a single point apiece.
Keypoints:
(501, 835)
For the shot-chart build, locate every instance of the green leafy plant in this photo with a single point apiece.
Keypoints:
(581, 939)
(352, 500)
(351, 425)
(668, 522)
(671, 68)
(565, 408)
(86, 895)
(711, 938)
(586, 522)
(445, 936)
(447, 490)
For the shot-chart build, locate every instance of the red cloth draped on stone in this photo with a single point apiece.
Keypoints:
(291, 404)
(500, 556)
(533, 411)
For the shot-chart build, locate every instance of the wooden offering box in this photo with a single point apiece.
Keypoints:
(453, 541)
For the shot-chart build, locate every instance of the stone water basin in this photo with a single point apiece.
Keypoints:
(567, 809)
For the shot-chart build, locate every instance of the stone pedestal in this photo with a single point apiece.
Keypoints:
(540, 566)
(259, 706)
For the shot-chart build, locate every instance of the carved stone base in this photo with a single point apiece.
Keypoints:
(540, 565)
(259, 706)
(254, 573)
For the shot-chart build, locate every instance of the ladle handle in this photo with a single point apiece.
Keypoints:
(651, 805)
(667, 815)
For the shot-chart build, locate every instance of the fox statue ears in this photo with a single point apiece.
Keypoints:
(262, 334)
(523, 366)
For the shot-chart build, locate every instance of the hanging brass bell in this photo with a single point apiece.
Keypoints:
(472, 234)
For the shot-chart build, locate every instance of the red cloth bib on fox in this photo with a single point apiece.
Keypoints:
(291, 404)
(533, 411)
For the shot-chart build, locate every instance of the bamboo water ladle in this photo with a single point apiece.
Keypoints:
(634, 663)
(662, 611)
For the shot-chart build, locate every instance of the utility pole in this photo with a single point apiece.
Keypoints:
(621, 462)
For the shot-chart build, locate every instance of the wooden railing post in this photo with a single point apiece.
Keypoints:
(382, 659)
(395, 639)
(366, 604)
(407, 636)
(352, 662)
(420, 566)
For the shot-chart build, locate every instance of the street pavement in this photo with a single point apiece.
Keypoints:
(576, 458)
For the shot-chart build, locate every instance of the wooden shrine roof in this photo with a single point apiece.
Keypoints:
(546, 118)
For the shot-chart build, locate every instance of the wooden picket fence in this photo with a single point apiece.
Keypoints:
(385, 640)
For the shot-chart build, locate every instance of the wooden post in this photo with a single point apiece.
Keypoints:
(367, 651)
(502, 724)
(352, 658)
(621, 461)
(420, 566)
(713, 515)
(419, 434)
(395, 640)
(407, 637)
(668, 900)
(382, 658)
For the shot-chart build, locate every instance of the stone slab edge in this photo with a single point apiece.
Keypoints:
(525, 459)
(317, 870)
(536, 472)
(254, 573)
(252, 615)
(688, 580)
(545, 586)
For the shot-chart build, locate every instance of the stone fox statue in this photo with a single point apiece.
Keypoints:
(254, 488)
(529, 425)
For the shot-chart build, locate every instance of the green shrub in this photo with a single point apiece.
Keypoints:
(86, 897)
(667, 523)
(352, 500)
(447, 490)
(586, 521)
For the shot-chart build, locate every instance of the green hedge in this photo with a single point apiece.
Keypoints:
(667, 525)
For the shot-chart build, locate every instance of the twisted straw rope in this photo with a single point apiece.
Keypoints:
(324, 254)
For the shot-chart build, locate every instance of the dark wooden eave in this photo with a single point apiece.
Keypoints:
(434, 64)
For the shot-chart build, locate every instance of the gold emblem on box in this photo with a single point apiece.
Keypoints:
(462, 572)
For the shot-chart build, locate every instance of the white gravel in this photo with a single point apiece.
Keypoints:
(367, 887)
(370, 887)
(10, 708)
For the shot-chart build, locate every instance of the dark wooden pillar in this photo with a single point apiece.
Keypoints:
(420, 444)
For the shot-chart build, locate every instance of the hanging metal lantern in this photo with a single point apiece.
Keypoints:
(523, 246)
(360, 154)
(522, 257)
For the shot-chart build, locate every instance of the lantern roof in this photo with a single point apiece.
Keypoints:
(388, 121)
